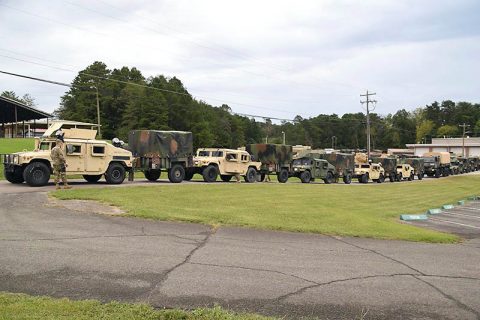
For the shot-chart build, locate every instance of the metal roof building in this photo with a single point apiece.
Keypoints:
(455, 145)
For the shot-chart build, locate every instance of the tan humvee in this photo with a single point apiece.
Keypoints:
(210, 162)
(367, 171)
(84, 155)
(405, 171)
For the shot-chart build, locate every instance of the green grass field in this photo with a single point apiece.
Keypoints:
(349, 210)
(21, 306)
(14, 145)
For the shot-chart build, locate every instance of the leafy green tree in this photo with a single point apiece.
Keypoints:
(447, 131)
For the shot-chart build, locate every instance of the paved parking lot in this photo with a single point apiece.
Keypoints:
(463, 220)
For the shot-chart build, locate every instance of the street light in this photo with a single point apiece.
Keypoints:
(283, 133)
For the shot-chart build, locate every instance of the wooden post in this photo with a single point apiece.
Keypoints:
(23, 129)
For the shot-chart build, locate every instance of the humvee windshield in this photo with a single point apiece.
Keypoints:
(217, 153)
(302, 162)
(44, 146)
(365, 166)
(204, 153)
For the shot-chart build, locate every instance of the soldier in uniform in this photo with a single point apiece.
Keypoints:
(59, 165)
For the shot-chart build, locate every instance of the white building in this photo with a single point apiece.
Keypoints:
(472, 146)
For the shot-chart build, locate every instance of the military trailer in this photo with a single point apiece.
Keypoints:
(389, 164)
(211, 162)
(156, 151)
(366, 171)
(83, 154)
(275, 159)
(344, 164)
(309, 169)
(418, 165)
(437, 164)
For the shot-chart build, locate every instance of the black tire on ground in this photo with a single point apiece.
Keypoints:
(412, 177)
(399, 177)
(210, 174)
(92, 178)
(14, 177)
(364, 178)
(261, 177)
(37, 174)
(226, 178)
(306, 177)
(347, 178)
(115, 173)
(176, 174)
(251, 175)
(437, 174)
(420, 176)
(282, 176)
(329, 178)
(381, 179)
(152, 174)
(392, 177)
(188, 175)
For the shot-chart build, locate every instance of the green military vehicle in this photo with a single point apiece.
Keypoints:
(344, 164)
(275, 159)
(474, 163)
(418, 165)
(389, 164)
(309, 169)
(156, 151)
(437, 164)
(456, 164)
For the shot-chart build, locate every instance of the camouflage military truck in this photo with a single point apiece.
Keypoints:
(474, 163)
(456, 164)
(405, 172)
(344, 164)
(275, 159)
(367, 171)
(84, 156)
(211, 162)
(418, 165)
(309, 169)
(389, 164)
(437, 164)
(156, 151)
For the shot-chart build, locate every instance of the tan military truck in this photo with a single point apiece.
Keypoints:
(211, 162)
(366, 171)
(405, 172)
(84, 155)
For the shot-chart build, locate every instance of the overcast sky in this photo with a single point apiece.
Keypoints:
(270, 58)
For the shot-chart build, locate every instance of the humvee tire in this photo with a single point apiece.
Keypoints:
(282, 176)
(347, 179)
(14, 177)
(412, 176)
(176, 174)
(188, 175)
(225, 178)
(261, 177)
(391, 177)
(305, 177)
(399, 177)
(437, 174)
(115, 173)
(152, 175)
(92, 178)
(381, 178)
(251, 175)
(37, 174)
(363, 178)
(420, 176)
(210, 174)
(329, 178)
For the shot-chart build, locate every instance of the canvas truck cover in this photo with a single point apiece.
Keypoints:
(163, 144)
(417, 163)
(271, 154)
(444, 156)
(389, 164)
(343, 162)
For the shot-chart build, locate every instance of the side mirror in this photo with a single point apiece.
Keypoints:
(69, 149)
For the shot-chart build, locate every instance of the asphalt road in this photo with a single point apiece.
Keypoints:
(53, 251)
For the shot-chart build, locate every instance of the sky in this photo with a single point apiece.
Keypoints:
(268, 58)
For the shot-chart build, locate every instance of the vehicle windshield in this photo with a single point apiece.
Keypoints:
(302, 162)
(203, 153)
(44, 146)
(217, 153)
(365, 166)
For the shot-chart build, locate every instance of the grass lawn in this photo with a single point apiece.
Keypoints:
(349, 210)
(21, 306)
(14, 145)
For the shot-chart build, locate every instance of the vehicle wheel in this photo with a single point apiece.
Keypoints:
(391, 177)
(261, 177)
(437, 174)
(14, 177)
(329, 178)
(399, 177)
(251, 175)
(152, 174)
(176, 174)
(37, 174)
(282, 176)
(226, 178)
(92, 178)
(420, 176)
(347, 179)
(188, 175)
(412, 176)
(381, 179)
(305, 177)
(115, 173)
(210, 174)
(364, 178)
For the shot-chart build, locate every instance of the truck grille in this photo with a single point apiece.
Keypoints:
(9, 158)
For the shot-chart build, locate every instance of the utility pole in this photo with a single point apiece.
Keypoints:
(283, 133)
(98, 113)
(368, 101)
(464, 126)
(334, 142)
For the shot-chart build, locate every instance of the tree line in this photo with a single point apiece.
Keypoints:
(135, 102)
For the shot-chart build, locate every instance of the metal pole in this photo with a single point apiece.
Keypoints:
(283, 133)
(16, 123)
(98, 114)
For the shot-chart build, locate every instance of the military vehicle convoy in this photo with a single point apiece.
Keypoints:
(308, 169)
(211, 162)
(156, 151)
(275, 159)
(84, 156)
